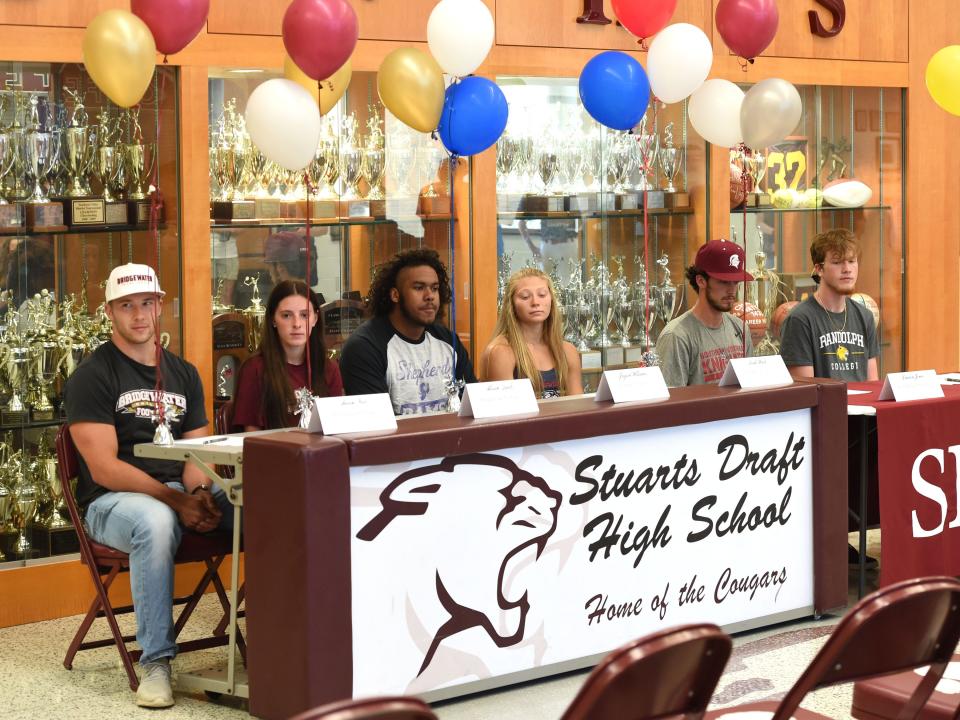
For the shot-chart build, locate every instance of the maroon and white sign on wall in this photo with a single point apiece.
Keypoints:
(485, 565)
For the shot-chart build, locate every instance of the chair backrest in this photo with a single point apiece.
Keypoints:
(381, 708)
(902, 626)
(68, 467)
(223, 418)
(671, 672)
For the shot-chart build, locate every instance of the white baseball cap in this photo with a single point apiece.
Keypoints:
(131, 279)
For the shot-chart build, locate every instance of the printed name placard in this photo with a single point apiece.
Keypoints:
(498, 399)
(352, 413)
(644, 384)
(753, 373)
(915, 385)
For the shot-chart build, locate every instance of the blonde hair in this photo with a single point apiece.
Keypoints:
(509, 327)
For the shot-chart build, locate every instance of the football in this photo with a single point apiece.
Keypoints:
(847, 193)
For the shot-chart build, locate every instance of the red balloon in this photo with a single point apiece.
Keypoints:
(320, 35)
(644, 18)
(174, 23)
(747, 26)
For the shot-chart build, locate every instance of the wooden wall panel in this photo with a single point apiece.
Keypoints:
(403, 20)
(549, 23)
(56, 13)
(933, 213)
(874, 30)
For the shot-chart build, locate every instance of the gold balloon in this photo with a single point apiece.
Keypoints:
(943, 78)
(120, 55)
(329, 91)
(410, 83)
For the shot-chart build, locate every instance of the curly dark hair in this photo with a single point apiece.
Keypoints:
(386, 279)
(692, 273)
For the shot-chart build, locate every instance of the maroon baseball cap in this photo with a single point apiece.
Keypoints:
(723, 260)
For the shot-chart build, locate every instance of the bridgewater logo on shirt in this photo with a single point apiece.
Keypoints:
(143, 404)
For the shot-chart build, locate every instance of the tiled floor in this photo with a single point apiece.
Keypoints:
(34, 684)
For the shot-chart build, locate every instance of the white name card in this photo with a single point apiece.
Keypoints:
(916, 385)
(753, 373)
(498, 399)
(352, 413)
(644, 384)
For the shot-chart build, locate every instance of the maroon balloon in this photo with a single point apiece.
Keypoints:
(320, 35)
(174, 23)
(747, 26)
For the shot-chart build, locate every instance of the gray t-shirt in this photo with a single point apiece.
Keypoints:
(693, 354)
(837, 345)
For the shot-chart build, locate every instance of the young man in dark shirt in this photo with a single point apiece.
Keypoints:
(139, 505)
(402, 350)
(829, 334)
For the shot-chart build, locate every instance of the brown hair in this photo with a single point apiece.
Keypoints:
(278, 395)
(509, 327)
(838, 240)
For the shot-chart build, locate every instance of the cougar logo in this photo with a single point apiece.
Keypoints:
(525, 521)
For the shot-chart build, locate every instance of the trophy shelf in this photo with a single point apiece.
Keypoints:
(822, 208)
(327, 222)
(602, 215)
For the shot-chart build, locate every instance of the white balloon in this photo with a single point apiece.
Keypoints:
(284, 122)
(715, 112)
(679, 61)
(771, 110)
(460, 35)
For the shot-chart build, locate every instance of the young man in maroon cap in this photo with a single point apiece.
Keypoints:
(695, 347)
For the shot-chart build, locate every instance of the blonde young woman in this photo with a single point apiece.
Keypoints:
(528, 341)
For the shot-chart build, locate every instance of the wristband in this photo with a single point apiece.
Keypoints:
(201, 486)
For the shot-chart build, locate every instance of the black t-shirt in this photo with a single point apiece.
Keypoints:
(113, 389)
(378, 359)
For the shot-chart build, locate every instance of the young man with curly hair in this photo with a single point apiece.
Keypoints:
(402, 350)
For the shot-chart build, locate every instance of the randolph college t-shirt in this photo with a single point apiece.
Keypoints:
(378, 359)
(837, 345)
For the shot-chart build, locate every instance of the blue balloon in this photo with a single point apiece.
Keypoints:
(614, 89)
(474, 116)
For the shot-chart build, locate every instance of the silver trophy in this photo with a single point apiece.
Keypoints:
(647, 148)
(666, 295)
(76, 150)
(671, 158)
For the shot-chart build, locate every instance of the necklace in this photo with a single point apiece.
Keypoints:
(830, 315)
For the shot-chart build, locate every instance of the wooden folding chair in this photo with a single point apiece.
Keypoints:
(380, 708)
(672, 672)
(906, 625)
(106, 563)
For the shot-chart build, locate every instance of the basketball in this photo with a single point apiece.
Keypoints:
(780, 315)
(870, 304)
(755, 319)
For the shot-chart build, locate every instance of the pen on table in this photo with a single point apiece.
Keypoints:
(210, 441)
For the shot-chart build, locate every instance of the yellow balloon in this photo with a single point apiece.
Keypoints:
(328, 92)
(943, 78)
(410, 83)
(120, 55)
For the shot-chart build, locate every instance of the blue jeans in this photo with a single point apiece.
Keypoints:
(149, 531)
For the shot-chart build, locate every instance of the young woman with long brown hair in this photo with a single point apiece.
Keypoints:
(528, 340)
(265, 390)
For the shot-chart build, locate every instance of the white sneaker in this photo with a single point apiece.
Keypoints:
(155, 690)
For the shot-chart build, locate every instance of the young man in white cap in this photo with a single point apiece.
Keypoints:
(139, 505)
(694, 348)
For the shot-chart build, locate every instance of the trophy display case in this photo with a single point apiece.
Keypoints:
(374, 188)
(77, 176)
(843, 167)
(609, 215)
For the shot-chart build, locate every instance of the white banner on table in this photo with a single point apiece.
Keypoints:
(481, 565)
